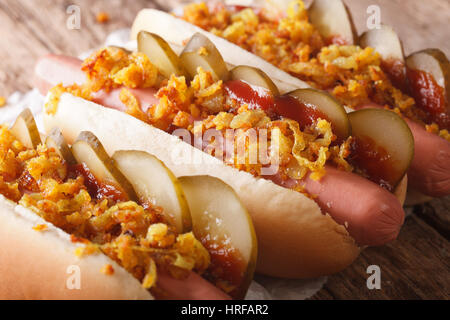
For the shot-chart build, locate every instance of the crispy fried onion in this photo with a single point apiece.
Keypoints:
(310, 148)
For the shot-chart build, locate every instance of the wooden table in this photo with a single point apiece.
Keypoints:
(416, 266)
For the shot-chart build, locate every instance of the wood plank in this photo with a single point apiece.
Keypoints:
(40, 29)
(437, 214)
(415, 266)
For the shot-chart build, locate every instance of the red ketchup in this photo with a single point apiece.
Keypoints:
(291, 108)
(258, 98)
(97, 190)
(226, 264)
(236, 8)
(27, 183)
(374, 160)
(336, 39)
(244, 93)
(429, 97)
(396, 71)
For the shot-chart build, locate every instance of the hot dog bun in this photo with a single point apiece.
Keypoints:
(176, 31)
(36, 264)
(295, 239)
(42, 261)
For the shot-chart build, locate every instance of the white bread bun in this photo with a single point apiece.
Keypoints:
(37, 264)
(295, 240)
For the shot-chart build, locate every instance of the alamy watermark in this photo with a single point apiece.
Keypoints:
(374, 19)
(374, 280)
(234, 147)
(73, 22)
(73, 281)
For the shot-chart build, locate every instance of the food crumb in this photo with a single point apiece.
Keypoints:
(102, 17)
(202, 51)
(79, 252)
(2, 101)
(86, 250)
(107, 269)
(75, 239)
(40, 227)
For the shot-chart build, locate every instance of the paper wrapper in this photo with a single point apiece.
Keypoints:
(262, 288)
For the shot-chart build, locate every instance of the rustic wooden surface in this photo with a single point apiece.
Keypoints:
(416, 266)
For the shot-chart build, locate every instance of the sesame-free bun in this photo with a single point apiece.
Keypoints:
(176, 31)
(43, 265)
(295, 240)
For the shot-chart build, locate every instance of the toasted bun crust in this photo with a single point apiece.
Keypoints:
(401, 190)
(295, 240)
(39, 264)
(176, 31)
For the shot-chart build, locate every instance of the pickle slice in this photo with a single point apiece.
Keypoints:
(88, 150)
(224, 226)
(327, 105)
(386, 142)
(254, 76)
(201, 52)
(25, 129)
(333, 19)
(434, 62)
(156, 184)
(160, 54)
(56, 141)
(385, 41)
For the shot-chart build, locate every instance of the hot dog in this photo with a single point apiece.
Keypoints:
(362, 224)
(54, 272)
(73, 211)
(364, 227)
(54, 69)
(429, 169)
(374, 221)
(324, 37)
